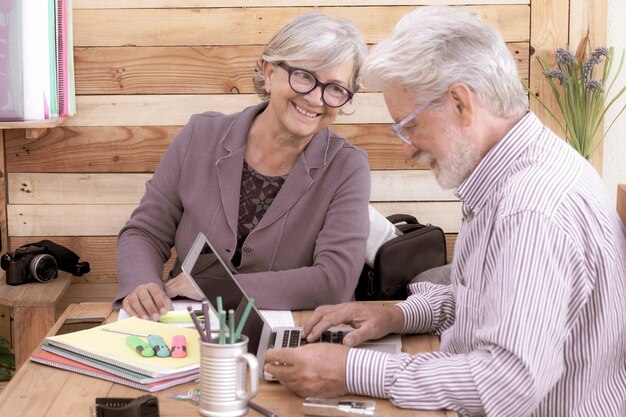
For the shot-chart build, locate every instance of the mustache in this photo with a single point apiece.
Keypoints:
(422, 158)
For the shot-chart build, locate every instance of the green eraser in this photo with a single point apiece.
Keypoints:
(176, 316)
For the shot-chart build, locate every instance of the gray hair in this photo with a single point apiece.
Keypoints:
(433, 47)
(318, 40)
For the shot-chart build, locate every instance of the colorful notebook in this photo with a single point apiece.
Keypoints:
(107, 367)
(60, 362)
(109, 347)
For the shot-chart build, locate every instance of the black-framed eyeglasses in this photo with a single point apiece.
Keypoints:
(303, 82)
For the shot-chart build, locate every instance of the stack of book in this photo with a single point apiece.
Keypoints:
(36, 60)
(102, 352)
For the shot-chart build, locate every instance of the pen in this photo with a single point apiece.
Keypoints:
(261, 410)
(196, 323)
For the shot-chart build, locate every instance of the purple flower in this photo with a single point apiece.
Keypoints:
(558, 75)
(593, 60)
(564, 57)
(600, 51)
(593, 85)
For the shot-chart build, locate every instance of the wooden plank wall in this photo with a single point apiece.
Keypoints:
(143, 67)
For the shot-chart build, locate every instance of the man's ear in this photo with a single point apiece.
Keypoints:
(463, 101)
(268, 72)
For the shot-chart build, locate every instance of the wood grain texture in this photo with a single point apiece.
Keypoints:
(185, 69)
(150, 4)
(252, 26)
(108, 219)
(549, 30)
(30, 325)
(5, 324)
(139, 149)
(158, 110)
(588, 22)
(33, 188)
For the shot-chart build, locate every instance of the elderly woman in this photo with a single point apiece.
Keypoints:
(274, 190)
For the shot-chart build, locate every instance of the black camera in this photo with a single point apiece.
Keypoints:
(29, 264)
(40, 262)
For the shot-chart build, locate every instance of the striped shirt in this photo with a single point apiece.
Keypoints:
(533, 323)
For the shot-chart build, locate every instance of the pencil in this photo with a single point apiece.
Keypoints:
(222, 315)
(244, 317)
(231, 325)
(196, 323)
(219, 304)
(207, 319)
(261, 410)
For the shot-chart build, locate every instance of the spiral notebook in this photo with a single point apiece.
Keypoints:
(110, 347)
(61, 362)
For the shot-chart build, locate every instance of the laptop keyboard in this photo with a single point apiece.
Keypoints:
(295, 338)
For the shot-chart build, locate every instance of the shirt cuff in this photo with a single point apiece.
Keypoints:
(418, 316)
(368, 373)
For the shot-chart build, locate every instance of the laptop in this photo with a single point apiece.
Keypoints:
(211, 277)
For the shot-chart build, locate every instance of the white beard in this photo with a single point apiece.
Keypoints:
(452, 170)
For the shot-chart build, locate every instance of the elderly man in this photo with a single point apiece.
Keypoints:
(533, 322)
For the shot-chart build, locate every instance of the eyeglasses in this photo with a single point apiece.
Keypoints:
(398, 128)
(303, 82)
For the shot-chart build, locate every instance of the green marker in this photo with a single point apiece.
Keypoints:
(139, 345)
(176, 316)
(158, 345)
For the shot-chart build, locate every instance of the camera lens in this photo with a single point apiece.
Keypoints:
(43, 267)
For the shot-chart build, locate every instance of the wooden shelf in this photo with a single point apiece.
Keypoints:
(34, 128)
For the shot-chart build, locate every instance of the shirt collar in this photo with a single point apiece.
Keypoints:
(493, 168)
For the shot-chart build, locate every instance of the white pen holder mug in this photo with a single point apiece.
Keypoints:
(229, 377)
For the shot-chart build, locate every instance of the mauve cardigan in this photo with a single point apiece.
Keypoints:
(308, 248)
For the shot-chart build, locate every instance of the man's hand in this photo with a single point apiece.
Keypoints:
(371, 321)
(182, 287)
(147, 301)
(315, 370)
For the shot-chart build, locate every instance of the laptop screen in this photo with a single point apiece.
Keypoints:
(211, 276)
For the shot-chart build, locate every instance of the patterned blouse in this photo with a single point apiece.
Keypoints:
(255, 197)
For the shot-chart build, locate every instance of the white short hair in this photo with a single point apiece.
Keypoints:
(319, 41)
(435, 46)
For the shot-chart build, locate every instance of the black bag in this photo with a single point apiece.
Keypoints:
(400, 259)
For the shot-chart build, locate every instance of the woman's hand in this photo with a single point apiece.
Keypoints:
(180, 286)
(147, 301)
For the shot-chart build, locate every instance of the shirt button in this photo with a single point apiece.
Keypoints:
(247, 249)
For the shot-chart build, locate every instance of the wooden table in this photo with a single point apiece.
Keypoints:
(31, 311)
(41, 391)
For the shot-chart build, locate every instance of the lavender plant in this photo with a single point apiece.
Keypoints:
(581, 98)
